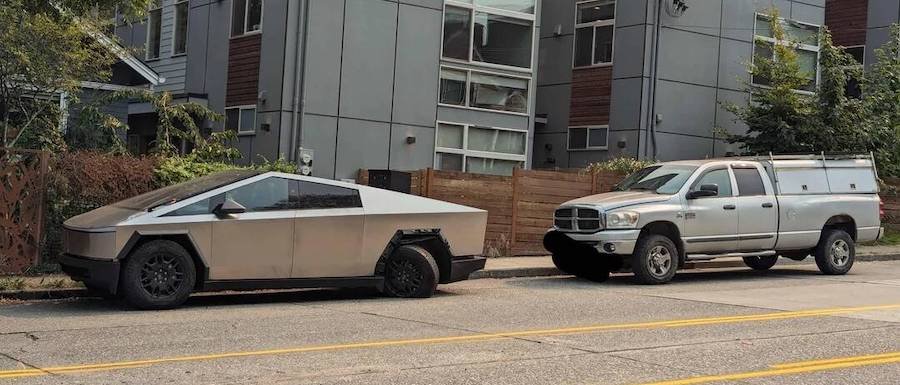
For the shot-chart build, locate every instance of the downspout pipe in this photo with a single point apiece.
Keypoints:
(651, 119)
(299, 65)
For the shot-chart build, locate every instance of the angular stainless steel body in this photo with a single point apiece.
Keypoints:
(291, 243)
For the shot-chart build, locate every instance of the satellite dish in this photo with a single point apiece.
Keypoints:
(676, 8)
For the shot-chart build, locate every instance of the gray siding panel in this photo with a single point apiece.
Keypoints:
(416, 156)
(319, 134)
(367, 72)
(360, 144)
(323, 56)
(417, 71)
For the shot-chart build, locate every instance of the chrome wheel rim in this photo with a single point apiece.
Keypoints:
(840, 253)
(162, 275)
(659, 261)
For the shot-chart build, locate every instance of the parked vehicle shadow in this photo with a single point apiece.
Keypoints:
(683, 277)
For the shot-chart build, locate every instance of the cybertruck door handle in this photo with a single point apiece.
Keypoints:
(729, 207)
(767, 205)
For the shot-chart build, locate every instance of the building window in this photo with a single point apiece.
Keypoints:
(181, 27)
(483, 150)
(803, 38)
(484, 90)
(498, 32)
(588, 138)
(154, 30)
(594, 33)
(241, 119)
(246, 17)
(854, 90)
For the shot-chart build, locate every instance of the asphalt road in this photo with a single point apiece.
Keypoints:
(787, 326)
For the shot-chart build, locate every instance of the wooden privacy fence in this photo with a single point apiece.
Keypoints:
(520, 207)
(23, 175)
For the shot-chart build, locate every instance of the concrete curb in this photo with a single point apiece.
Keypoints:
(30, 295)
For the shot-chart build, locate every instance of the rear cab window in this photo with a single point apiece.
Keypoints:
(749, 182)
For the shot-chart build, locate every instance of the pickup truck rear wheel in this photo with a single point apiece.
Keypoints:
(836, 252)
(411, 272)
(655, 260)
(761, 263)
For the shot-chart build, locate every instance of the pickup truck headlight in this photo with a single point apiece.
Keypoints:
(622, 220)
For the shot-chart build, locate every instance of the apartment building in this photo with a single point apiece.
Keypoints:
(647, 78)
(398, 84)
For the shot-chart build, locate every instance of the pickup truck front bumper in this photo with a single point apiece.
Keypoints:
(614, 242)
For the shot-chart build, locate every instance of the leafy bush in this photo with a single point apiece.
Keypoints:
(82, 181)
(622, 165)
(177, 169)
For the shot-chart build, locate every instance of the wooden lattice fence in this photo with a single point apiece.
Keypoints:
(23, 175)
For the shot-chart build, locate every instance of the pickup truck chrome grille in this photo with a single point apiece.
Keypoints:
(581, 219)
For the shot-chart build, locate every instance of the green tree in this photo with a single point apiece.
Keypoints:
(881, 105)
(779, 118)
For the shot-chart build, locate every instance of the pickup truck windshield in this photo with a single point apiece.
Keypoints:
(661, 179)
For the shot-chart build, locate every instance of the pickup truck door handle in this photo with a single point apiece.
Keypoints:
(729, 207)
(767, 205)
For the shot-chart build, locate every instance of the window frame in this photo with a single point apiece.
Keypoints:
(474, 8)
(465, 152)
(468, 90)
(187, 27)
(241, 110)
(795, 45)
(696, 182)
(594, 25)
(588, 146)
(244, 31)
(155, 7)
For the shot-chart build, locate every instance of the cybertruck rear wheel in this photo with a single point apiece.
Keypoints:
(158, 275)
(411, 272)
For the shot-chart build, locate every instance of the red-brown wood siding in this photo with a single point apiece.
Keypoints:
(243, 70)
(591, 88)
(847, 21)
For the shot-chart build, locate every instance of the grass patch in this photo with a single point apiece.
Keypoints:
(12, 284)
(891, 238)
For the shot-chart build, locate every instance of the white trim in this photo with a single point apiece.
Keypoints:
(149, 25)
(790, 44)
(187, 28)
(472, 8)
(241, 109)
(126, 57)
(587, 142)
(244, 31)
(593, 25)
(466, 152)
(108, 87)
(467, 99)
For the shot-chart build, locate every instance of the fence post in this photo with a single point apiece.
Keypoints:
(595, 180)
(42, 203)
(429, 175)
(513, 229)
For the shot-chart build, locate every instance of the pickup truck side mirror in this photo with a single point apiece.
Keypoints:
(706, 190)
(228, 208)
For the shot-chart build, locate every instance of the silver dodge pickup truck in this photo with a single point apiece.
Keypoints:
(754, 208)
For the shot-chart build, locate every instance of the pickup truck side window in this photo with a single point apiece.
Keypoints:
(323, 196)
(749, 182)
(718, 177)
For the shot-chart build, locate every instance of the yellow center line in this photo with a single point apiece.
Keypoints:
(449, 339)
(792, 369)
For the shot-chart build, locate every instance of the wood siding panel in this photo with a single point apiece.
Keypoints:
(847, 20)
(243, 70)
(591, 89)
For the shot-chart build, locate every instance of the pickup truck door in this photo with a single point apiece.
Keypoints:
(711, 223)
(757, 210)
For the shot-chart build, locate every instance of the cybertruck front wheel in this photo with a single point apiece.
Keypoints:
(158, 275)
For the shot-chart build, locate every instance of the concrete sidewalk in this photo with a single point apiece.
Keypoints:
(542, 266)
(60, 286)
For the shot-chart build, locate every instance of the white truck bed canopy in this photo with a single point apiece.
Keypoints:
(822, 174)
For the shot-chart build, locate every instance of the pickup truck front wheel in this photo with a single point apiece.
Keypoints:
(655, 260)
(835, 253)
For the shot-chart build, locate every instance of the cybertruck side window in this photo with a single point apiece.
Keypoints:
(266, 195)
(323, 196)
(196, 208)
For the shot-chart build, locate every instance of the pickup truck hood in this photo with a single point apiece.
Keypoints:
(617, 199)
